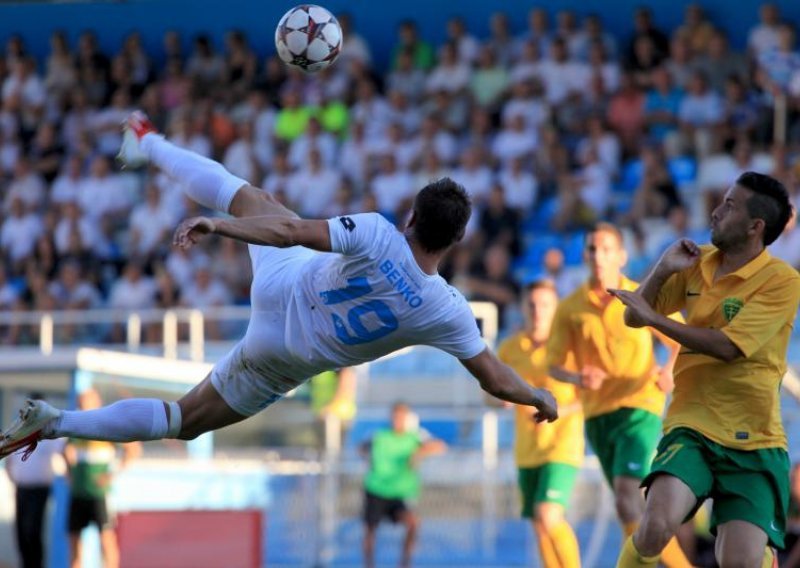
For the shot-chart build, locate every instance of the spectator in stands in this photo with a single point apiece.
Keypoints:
(626, 113)
(409, 116)
(240, 64)
(475, 175)
(646, 57)
(680, 62)
(515, 141)
(499, 223)
(548, 457)
(766, 35)
(354, 46)
(699, 115)
(33, 481)
(519, 185)
(77, 120)
(244, 157)
(500, 39)
(71, 291)
(133, 291)
(560, 75)
(105, 123)
(73, 223)
(606, 143)
(406, 77)
(46, 152)
(103, 194)
(312, 189)
(550, 161)
(565, 278)
(313, 138)
(696, 29)
(61, 76)
(491, 281)
(467, 47)
(433, 138)
(450, 74)
(27, 185)
(777, 66)
(489, 80)
(644, 27)
(740, 113)
(91, 470)
(600, 65)
(18, 234)
(150, 225)
(392, 484)
(584, 196)
(393, 188)
(25, 89)
(172, 46)
(371, 110)
(656, 193)
(594, 36)
(409, 41)
(538, 32)
(207, 291)
(10, 152)
(205, 67)
(719, 63)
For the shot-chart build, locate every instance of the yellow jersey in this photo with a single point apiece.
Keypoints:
(596, 334)
(536, 444)
(735, 404)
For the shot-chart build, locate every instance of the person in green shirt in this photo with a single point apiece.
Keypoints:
(410, 42)
(392, 481)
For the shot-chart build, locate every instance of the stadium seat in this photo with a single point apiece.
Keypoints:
(683, 170)
(630, 176)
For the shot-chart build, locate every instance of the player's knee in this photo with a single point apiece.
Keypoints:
(653, 534)
(547, 516)
(628, 506)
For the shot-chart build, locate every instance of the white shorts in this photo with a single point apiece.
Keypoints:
(259, 370)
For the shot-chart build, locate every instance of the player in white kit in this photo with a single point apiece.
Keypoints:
(325, 294)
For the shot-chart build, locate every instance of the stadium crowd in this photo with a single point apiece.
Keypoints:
(549, 129)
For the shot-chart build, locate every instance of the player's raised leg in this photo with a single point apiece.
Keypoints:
(207, 182)
(200, 410)
(669, 501)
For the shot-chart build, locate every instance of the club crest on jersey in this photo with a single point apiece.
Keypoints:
(347, 223)
(731, 307)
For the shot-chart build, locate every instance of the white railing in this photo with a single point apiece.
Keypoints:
(133, 323)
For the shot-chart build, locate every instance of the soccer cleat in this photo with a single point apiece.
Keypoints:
(133, 130)
(24, 434)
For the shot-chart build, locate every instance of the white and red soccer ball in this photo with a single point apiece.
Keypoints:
(308, 37)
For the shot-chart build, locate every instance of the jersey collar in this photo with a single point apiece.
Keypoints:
(710, 263)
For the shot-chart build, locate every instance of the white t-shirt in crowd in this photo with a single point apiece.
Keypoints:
(391, 189)
(18, 235)
(127, 295)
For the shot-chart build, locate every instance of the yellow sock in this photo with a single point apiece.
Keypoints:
(629, 557)
(770, 559)
(566, 545)
(673, 557)
(630, 528)
(546, 549)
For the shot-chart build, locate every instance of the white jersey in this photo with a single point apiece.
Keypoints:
(371, 299)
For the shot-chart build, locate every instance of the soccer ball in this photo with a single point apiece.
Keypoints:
(308, 37)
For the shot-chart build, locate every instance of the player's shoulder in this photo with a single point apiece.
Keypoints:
(780, 271)
(574, 300)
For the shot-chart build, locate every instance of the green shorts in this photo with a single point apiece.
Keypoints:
(547, 483)
(625, 441)
(751, 486)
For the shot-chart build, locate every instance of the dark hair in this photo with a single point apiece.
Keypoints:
(441, 210)
(769, 202)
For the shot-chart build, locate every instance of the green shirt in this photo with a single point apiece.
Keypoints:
(390, 474)
(291, 123)
(91, 474)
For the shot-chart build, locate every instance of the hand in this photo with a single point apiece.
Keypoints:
(680, 255)
(190, 231)
(665, 380)
(639, 313)
(546, 407)
(592, 377)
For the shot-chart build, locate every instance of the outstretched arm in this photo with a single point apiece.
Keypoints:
(270, 230)
(500, 380)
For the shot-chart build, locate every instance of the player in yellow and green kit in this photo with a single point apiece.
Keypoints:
(548, 455)
(724, 438)
(622, 386)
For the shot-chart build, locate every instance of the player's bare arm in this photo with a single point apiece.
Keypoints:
(679, 256)
(271, 230)
(500, 381)
(711, 342)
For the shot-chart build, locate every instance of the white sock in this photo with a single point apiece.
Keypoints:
(204, 180)
(135, 419)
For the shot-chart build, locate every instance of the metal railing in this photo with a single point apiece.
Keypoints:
(170, 321)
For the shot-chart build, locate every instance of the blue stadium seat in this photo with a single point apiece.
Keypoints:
(572, 246)
(630, 176)
(683, 170)
(539, 220)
